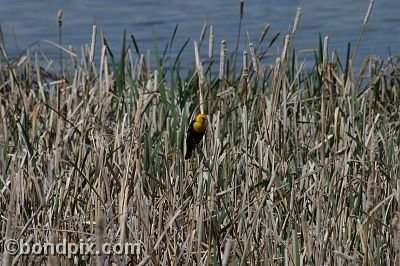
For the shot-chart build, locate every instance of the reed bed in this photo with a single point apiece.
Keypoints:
(299, 165)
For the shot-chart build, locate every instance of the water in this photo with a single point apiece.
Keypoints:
(341, 20)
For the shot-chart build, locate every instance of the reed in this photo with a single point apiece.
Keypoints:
(299, 165)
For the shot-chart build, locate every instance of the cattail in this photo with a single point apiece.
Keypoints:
(371, 5)
(200, 230)
(371, 183)
(395, 228)
(200, 74)
(211, 43)
(367, 15)
(325, 53)
(140, 67)
(93, 44)
(277, 66)
(264, 32)
(398, 191)
(155, 85)
(222, 60)
(296, 20)
(241, 8)
(245, 71)
(253, 57)
(100, 227)
(59, 22)
(245, 59)
(203, 31)
(285, 48)
(199, 65)
(59, 17)
(73, 57)
(227, 251)
(52, 258)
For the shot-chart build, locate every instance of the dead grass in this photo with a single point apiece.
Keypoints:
(301, 164)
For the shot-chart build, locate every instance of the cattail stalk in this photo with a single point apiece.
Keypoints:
(211, 43)
(366, 19)
(253, 57)
(296, 20)
(222, 60)
(59, 23)
(285, 48)
(263, 33)
(325, 52)
(200, 74)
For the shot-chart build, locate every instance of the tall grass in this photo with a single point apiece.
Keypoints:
(299, 165)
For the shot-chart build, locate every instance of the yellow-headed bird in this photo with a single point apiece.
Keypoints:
(195, 133)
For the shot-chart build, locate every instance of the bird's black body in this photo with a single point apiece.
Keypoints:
(193, 139)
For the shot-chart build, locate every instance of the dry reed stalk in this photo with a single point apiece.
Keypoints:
(59, 23)
(296, 20)
(222, 60)
(203, 32)
(285, 49)
(211, 44)
(93, 45)
(371, 179)
(366, 18)
(100, 229)
(325, 53)
(245, 75)
(38, 77)
(11, 223)
(52, 259)
(264, 33)
(395, 230)
(253, 58)
(227, 251)
(148, 65)
(111, 165)
(200, 74)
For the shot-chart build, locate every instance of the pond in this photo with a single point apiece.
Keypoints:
(341, 20)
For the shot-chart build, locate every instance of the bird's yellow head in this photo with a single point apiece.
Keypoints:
(201, 118)
(200, 123)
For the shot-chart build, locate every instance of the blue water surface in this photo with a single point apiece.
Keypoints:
(35, 20)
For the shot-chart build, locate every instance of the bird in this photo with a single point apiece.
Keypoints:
(195, 133)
